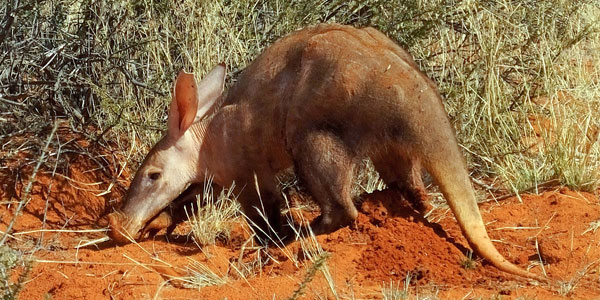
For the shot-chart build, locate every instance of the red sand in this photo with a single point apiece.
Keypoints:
(387, 242)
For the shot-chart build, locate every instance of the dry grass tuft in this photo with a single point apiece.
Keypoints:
(393, 292)
(215, 215)
(11, 259)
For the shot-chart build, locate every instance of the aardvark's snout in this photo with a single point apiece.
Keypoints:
(122, 229)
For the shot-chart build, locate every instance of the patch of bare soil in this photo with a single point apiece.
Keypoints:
(388, 242)
(79, 182)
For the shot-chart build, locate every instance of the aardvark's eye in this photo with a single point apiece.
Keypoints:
(154, 175)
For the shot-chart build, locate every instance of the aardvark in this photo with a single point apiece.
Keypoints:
(319, 100)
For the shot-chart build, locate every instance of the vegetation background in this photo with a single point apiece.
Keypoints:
(520, 79)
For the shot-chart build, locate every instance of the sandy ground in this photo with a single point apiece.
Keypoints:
(388, 242)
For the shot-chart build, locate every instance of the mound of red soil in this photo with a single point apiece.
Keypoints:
(401, 242)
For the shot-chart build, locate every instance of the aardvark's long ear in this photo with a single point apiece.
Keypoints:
(191, 101)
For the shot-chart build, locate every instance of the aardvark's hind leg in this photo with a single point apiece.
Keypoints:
(405, 175)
